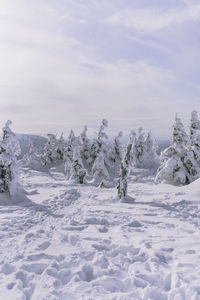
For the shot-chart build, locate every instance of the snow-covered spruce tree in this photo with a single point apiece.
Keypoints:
(126, 164)
(99, 156)
(195, 135)
(85, 146)
(68, 153)
(49, 155)
(179, 166)
(99, 170)
(9, 150)
(115, 153)
(77, 170)
(60, 148)
(99, 143)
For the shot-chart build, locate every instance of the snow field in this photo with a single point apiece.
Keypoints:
(66, 241)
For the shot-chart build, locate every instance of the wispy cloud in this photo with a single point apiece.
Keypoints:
(148, 20)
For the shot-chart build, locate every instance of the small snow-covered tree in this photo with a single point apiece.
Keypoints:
(77, 170)
(126, 164)
(49, 155)
(68, 153)
(99, 170)
(60, 148)
(85, 146)
(179, 166)
(9, 150)
(139, 148)
(115, 153)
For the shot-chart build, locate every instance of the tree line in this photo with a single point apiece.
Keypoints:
(100, 162)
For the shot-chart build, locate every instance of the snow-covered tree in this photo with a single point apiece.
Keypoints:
(99, 143)
(99, 170)
(77, 170)
(195, 135)
(99, 156)
(9, 150)
(126, 164)
(70, 145)
(49, 155)
(115, 153)
(85, 146)
(179, 166)
(69, 153)
(60, 148)
(139, 148)
(194, 126)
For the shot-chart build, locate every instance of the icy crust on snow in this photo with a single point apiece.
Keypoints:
(66, 241)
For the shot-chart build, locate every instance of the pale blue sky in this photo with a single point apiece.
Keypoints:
(67, 63)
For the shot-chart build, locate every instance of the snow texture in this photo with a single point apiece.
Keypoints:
(66, 241)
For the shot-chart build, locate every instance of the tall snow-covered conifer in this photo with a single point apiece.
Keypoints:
(126, 164)
(99, 156)
(69, 153)
(85, 146)
(99, 143)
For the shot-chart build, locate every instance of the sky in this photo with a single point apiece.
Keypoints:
(69, 63)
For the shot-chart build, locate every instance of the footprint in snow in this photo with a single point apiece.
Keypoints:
(43, 246)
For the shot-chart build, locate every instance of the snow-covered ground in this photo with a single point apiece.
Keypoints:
(71, 242)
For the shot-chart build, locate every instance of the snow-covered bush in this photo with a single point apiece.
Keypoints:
(179, 166)
(126, 164)
(9, 150)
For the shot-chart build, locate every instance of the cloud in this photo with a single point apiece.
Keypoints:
(63, 67)
(148, 20)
